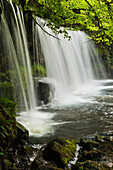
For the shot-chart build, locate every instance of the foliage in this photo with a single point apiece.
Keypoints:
(7, 124)
(38, 70)
(89, 15)
(6, 90)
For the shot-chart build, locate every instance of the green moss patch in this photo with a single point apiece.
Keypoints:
(60, 151)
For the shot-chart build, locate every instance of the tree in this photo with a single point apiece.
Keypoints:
(92, 16)
(95, 17)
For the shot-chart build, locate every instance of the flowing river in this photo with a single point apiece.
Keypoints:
(81, 116)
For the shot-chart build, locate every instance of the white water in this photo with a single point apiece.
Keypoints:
(15, 48)
(72, 65)
(69, 65)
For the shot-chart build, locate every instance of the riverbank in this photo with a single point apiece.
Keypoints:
(58, 154)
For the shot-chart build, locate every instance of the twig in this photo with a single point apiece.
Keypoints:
(45, 30)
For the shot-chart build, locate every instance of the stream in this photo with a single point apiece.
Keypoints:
(90, 113)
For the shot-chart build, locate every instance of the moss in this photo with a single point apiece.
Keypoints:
(99, 138)
(82, 142)
(7, 123)
(107, 138)
(90, 145)
(6, 90)
(39, 163)
(92, 155)
(60, 151)
(90, 165)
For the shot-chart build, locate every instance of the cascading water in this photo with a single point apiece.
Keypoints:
(72, 64)
(14, 51)
(73, 68)
(14, 47)
(83, 97)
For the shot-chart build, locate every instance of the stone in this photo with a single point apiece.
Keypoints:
(22, 134)
(45, 91)
(39, 164)
(92, 155)
(99, 138)
(60, 151)
(89, 165)
(90, 145)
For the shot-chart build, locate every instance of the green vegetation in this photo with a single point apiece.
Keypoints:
(60, 151)
(7, 124)
(38, 70)
(92, 16)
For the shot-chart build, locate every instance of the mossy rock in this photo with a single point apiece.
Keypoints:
(92, 155)
(7, 124)
(60, 151)
(90, 145)
(106, 138)
(82, 142)
(40, 164)
(30, 150)
(22, 134)
(90, 165)
(99, 138)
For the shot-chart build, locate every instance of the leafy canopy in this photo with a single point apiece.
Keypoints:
(92, 16)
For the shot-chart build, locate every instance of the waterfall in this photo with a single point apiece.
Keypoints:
(70, 64)
(14, 47)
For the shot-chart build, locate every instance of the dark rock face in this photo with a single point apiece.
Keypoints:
(22, 134)
(45, 91)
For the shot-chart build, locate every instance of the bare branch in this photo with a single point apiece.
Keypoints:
(45, 30)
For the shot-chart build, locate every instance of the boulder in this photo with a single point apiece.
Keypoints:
(40, 164)
(90, 145)
(89, 165)
(60, 151)
(45, 91)
(22, 134)
(92, 155)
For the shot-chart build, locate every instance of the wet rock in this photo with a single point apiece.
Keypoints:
(90, 165)
(90, 145)
(106, 138)
(60, 151)
(99, 138)
(82, 142)
(92, 155)
(22, 134)
(98, 154)
(31, 151)
(45, 91)
(40, 164)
